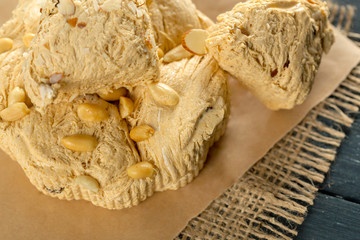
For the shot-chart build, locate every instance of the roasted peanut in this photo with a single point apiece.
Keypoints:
(160, 53)
(17, 95)
(176, 54)
(27, 38)
(126, 106)
(6, 44)
(14, 112)
(141, 133)
(141, 170)
(164, 94)
(112, 94)
(88, 182)
(92, 112)
(80, 143)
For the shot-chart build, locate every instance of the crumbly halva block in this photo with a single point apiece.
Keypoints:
(82, 47)
(36, 141)
(273, 47)
(12, 60)
(183, 134)
(55, 161)
(67, 157)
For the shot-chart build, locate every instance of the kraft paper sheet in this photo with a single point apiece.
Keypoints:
(27, 214)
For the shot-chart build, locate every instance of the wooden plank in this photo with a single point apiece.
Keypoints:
(331, 219)
(356, 3)
(344, 178)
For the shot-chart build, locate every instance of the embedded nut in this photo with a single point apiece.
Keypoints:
(112, 94)
(92, 112)
(6, 44)
(72, 22)
(66, 7)
(80, 143)
(194, 41)
(47, 46)
(160, 53)
(126, 106)
(27, 38)
(55, 78)
(111, 5)
(88, 182)
(81, 25)
(141, 170)
(17, 95)
(176, 54)
(164, 94)
(141, 133)
(14, 112)
(46, 92)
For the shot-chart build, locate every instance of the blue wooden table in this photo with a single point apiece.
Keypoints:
(336, 212)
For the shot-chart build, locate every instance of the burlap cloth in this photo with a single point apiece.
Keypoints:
(270, 201)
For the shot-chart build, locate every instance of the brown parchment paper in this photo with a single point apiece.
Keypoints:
(253, 130)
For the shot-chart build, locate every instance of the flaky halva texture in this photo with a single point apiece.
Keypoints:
(273, 47)
(101, 44)
(185, 132)
(35, 142)
(11, 61)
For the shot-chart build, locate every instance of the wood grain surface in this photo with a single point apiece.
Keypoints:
(332, 218)
(344, 178)
(336, 212)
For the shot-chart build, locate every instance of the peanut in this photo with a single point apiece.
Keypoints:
(141, 133)
(126, 106)
(80, 143)
(14, 112)
(17, 95)
(92, 112)
(112, 94)
(176, 54)
(160, 53)
(6, 44)
(88, 182)
(141, 170)
(164, 94)
(27, 38)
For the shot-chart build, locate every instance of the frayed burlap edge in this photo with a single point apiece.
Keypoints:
(270, 201)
